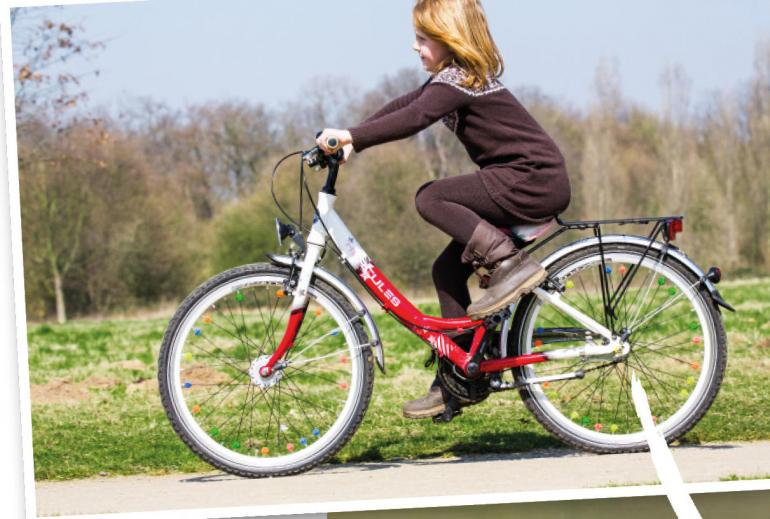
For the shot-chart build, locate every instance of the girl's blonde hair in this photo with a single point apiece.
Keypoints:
(462, 26)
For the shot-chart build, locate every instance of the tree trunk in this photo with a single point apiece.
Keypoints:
(61, 311)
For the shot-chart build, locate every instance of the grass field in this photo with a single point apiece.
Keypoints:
(96, 408)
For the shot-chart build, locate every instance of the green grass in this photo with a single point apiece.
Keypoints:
(117, 426)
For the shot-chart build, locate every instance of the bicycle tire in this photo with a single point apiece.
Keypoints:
(209, 312)
(705, 350)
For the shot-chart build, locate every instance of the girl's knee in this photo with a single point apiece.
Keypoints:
(424, 199)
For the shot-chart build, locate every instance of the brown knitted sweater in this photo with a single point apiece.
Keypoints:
(521, 166)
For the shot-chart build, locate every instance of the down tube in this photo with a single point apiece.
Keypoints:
(357, 257)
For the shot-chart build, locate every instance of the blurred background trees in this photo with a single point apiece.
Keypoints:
(136, 209)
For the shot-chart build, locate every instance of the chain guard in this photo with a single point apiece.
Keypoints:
(465, 391)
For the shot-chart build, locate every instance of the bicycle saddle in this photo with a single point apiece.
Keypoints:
(528, 233)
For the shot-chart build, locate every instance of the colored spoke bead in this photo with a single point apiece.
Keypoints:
(334, 332)
(574, 416)
(695, 366)
(693, 326)
(283, 427)
(546, 385)
(598, 427)
(214, 432)
(622, 270)
(613, 428)
(690, 381)
(538, 343)
(316, 432)
(318, 312)
(187, 385)
(696, 340)
(264, 451)
(290, 447)
(187, 357)
(540, 329)
(586, 421)
(343, 385)
(197, 331)
(343, 359)
(672, 291)
(207, 319)
(236, 445)
(654, 419)
(683, 393)
(239, 296)
(608, 269)
(196, 409)
(569, 284)
(280, 293)
(661, 281)
(303, 441)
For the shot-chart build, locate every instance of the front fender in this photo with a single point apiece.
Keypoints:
(670, 250)
(349, 295)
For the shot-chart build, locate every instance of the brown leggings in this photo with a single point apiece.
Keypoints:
(456, 205)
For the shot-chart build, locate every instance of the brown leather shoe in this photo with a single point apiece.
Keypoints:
(510, 279)
(428, 406)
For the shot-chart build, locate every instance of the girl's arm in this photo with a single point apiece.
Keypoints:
(397, 103)
(434, 101)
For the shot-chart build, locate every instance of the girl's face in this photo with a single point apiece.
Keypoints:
(431, 52)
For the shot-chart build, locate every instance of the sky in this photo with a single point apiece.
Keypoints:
(181, 52)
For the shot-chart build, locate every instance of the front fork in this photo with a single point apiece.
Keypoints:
(316, 243)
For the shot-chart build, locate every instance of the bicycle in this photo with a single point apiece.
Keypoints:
(267, 369)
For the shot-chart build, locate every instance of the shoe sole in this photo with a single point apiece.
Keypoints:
(524, 289)
(428, 413)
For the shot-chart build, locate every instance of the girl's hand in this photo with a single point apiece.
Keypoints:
(343, 137)
(346, 150)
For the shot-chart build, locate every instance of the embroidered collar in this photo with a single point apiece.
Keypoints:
(454, 75)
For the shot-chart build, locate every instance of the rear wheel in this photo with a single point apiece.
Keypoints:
(678, 350)
(230, 415)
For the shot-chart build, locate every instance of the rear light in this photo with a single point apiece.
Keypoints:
(673, 228)
(714, 275)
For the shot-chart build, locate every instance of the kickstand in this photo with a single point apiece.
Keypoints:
(451, 410)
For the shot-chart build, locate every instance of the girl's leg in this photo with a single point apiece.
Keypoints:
(454, 205)
(450, 276)
(461, 207)
(457, 205)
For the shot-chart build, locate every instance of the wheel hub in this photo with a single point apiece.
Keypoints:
(257, 378)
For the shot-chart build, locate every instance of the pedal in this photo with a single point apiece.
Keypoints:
(493, 320)
(452, 409)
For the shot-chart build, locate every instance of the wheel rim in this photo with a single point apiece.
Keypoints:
(673, 353)
(261, 423)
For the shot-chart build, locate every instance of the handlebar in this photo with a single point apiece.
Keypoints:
(317, 159)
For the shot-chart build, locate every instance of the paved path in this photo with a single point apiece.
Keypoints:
(535, 470)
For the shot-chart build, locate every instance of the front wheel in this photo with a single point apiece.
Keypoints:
(678, 349)
(246, 424)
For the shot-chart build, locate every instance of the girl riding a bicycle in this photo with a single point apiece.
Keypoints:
(522, 177)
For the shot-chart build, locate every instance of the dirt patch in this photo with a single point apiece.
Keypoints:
(150, 384)
(133, 364)
(204, 375)
(65, 391)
